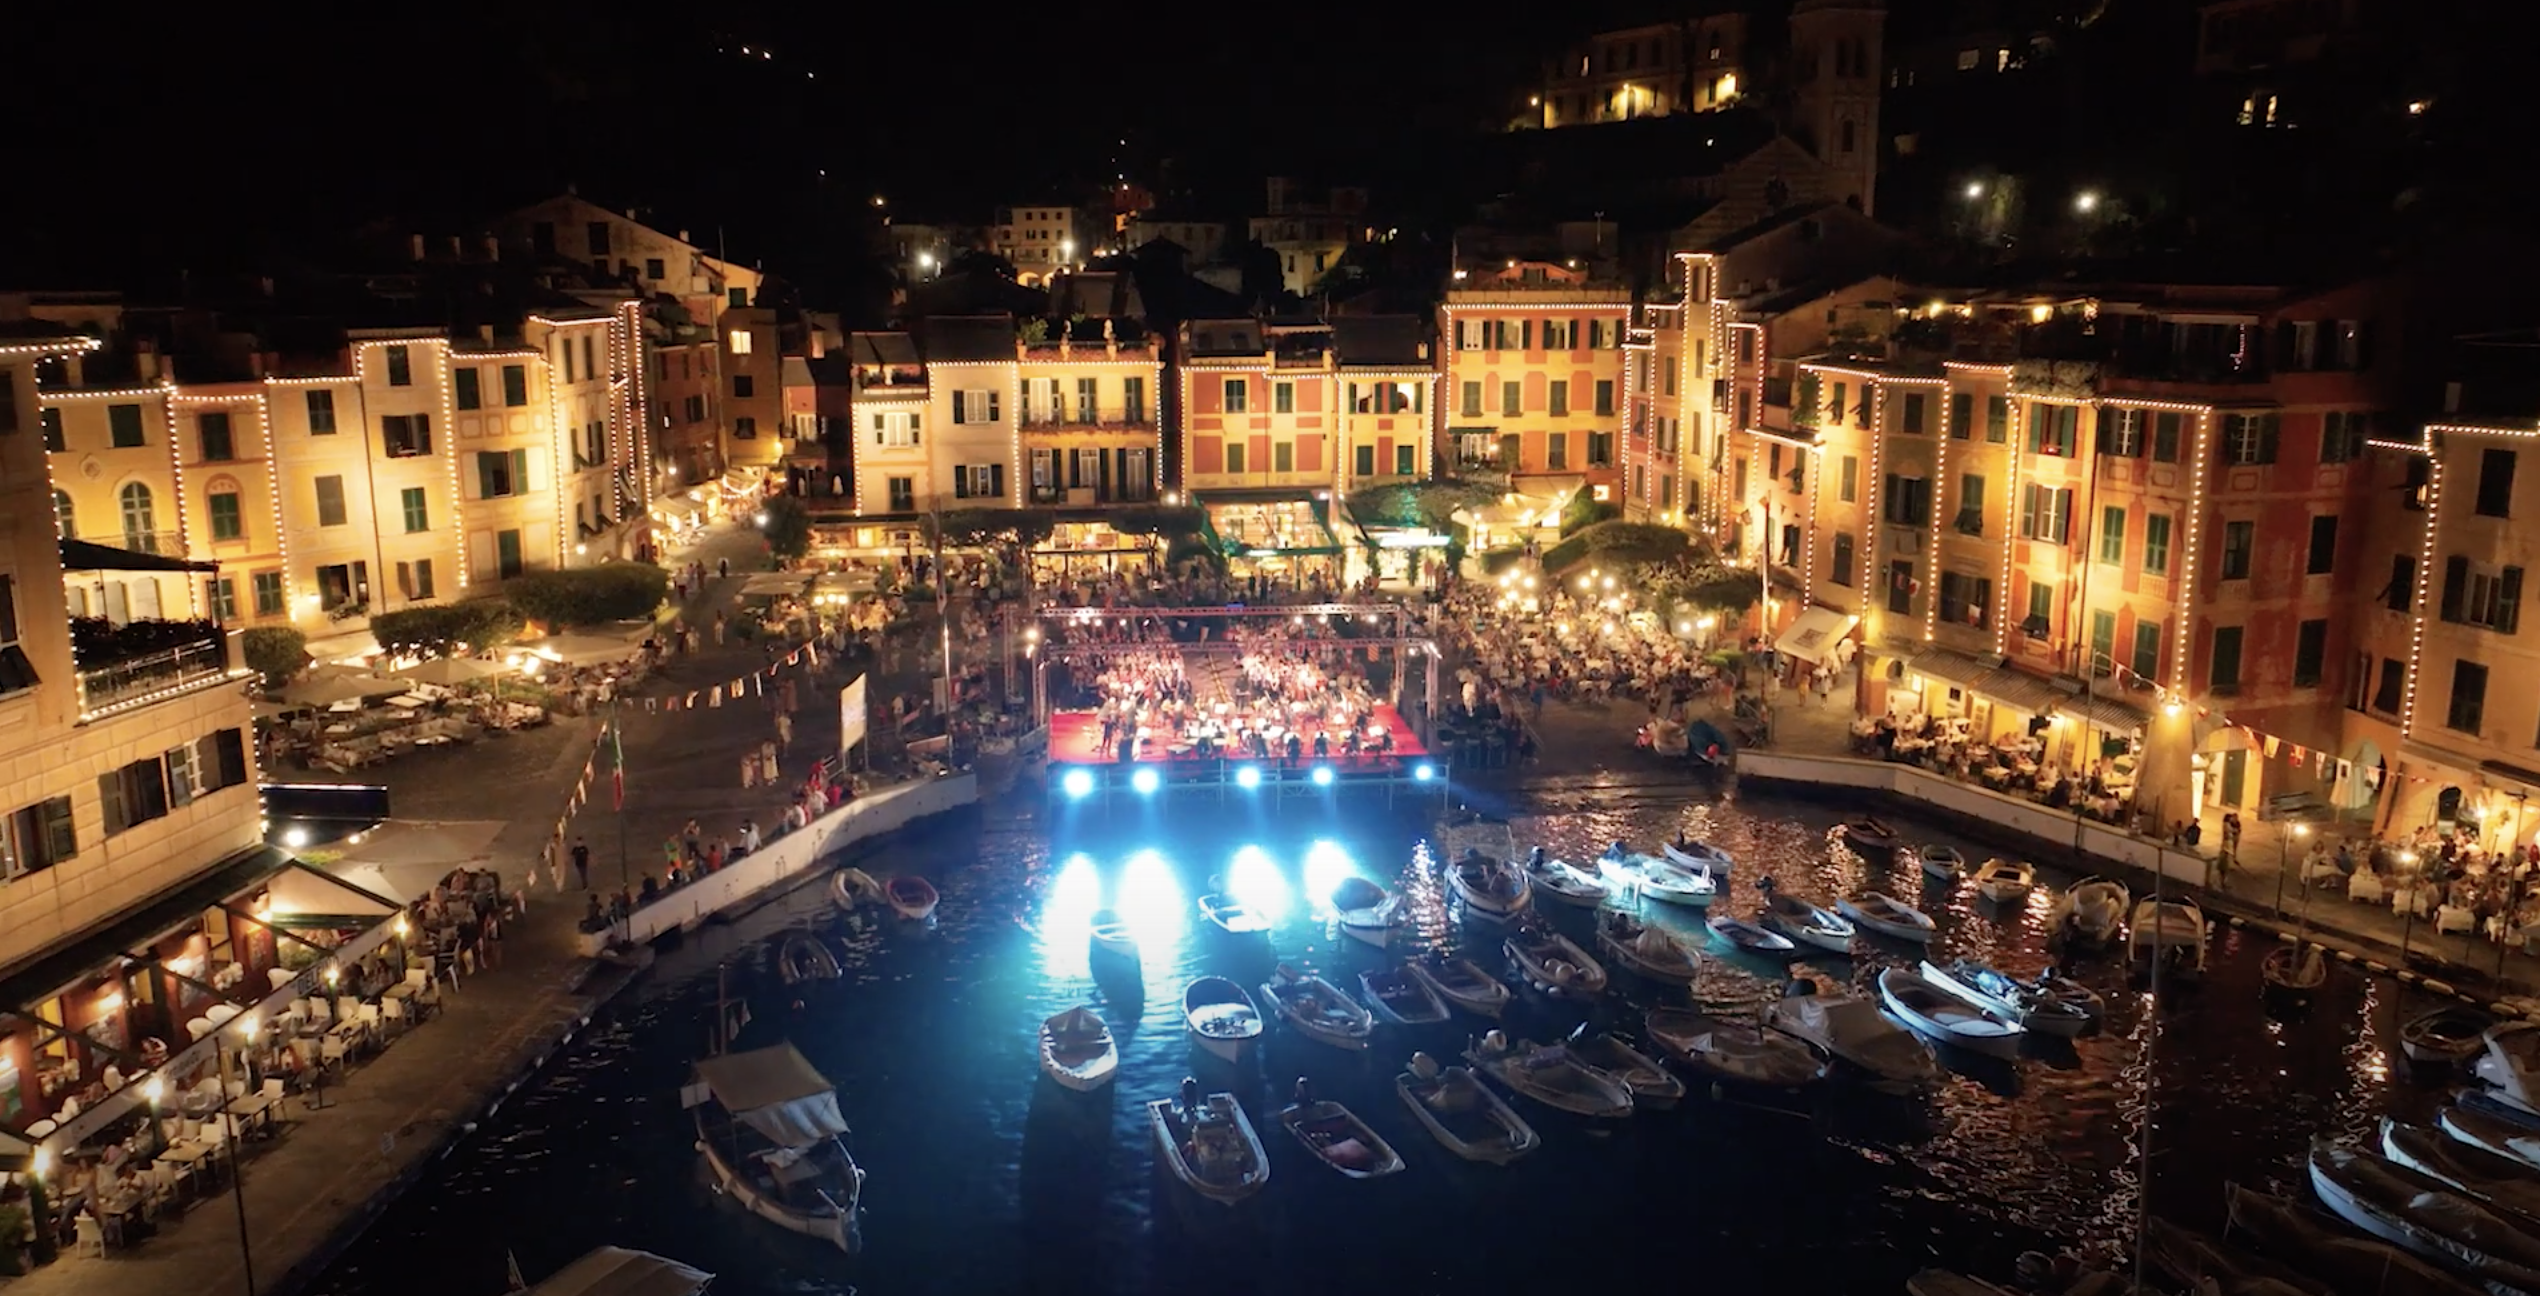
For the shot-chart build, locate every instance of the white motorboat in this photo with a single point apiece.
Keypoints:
(1747, 938)
(2491, 1134)
(2033, 1008)
(1077, 1050)
(1462, 1113)
(2055, 985)
(1940, 863)
(1654, 1087)
(1885, 915)
(618, 1271)
(2509, 1182)
(1337, 1138)
(1550, 1075)
(2093, 912)
(1222, 1019)
(1659, 879)
(1112, 936)
(849, 887)
(805, 958)
(1738, 1051)
(1809, 924)
(1555, 962)
(1209, 1145)
(2172, 930)
(769, 1127)
(2420, 1213)
(1397, 996)
(1647, 950)
(2450, 1036)
(1231, 916)
(1376, 924)
(1944, 1018)
(1463, 983)
(2314, 1245)
(1563, 883)
(1317, 1009)
(1492, 888)
(1859, 1036)
(2510, 1063)
(912, 897)
(1698, 857)
(2006, 881)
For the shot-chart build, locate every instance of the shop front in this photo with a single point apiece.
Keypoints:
(1282, 538)
(1090, 548)
(1986, 703)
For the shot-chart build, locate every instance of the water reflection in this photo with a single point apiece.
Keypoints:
(1067, 918)
(1326, 867)
(1255, 881)
(1154, 908)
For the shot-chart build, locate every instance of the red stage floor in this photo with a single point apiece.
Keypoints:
(1076, 738)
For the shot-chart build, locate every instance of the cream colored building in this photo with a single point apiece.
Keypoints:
(618, 245)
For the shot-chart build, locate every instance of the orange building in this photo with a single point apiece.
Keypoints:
(1535, 374)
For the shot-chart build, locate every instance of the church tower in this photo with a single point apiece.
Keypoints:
(1837, 71)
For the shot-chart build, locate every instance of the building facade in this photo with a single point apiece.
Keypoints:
(1535, 373)
(1658, 70)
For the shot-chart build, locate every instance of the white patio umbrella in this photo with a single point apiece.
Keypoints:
(447, 671)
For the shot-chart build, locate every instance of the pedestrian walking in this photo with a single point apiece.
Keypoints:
(722, 627)
(723, 567)
(581, 863)
(784, 732)
(749, 769)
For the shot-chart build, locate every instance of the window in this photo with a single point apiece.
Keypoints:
(2112, 536)
(1900, 586)
(330, 500)
(123, 422)
(738, 341)
(2401, 593)
(221, 596)
(1556, 456)
(183, 777)
(266, 586)
(2223, 671)
(342, 585)
(2249, 439)
(1997, 419)
(1512, 399)
(501, 474)
(213, 428)
(1364, 461)
(737, 296)
(693, 409)
(228, 522)
(1283, 398)
(590, 369)
(1970, 519)
(2103, 642)
(1965, 600)
(2054, 430)
(2393, 686)
(1848, 484)
(2495, 483)
(1558, 397)
(2046, 513)
(896, 431)
(902, 492)
(507, 554)
(2147, 650)
(2472, 596)
(744, 386)
(1906, 501)
(2240, 542)
(1910, 411)
(745, 428)
(598, 232)
(1087, 402)
(2156, 545)
(1235, 456)
(516, 385)
(2121, 433)
(406, 436)
(2469, 697)
(134, 795)
(52, 421)
(401, 371)
(414, 579)
(1836, 406)
(2323, 555)
(1406, 460)
(2310, 652)
(2040, 622)
(2342, 436)
(978, 405)
(2166, 426)
(39, 837)
(1600, 449)
(1238, 395)
(467, 388)
(1469, 400)
(1962, 415)
(418, 515)
(1283, 456)
(653, 268)
(1133, 399)
(140, 518)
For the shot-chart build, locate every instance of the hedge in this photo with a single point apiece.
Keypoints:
(589, 596)
(440, 628)
(1616, 542)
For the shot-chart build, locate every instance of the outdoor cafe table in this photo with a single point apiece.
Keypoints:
(188, 1155)
(254, 1109)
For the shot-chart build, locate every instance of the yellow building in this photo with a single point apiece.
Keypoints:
(1092, 423)
(753, 390)
(1534, 366)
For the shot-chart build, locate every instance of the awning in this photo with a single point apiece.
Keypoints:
(1999, 685)
(616, 1271)
(80, 555)
(2104, 713)
(1813, 636)
(778, 1092)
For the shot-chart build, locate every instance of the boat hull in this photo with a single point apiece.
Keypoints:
(1168, 1151)
(839, 1229)
(1297, 1118)
(1998, 1044)
(1488, 904)
(1534, 961)
(1516, 1139)
(2063, 1023)
(1488, 1001)
(1631, 961)
(1352, 1031)
(1870, 920)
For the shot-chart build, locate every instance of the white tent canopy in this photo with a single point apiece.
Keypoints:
(778, 1092)
(1813, 636)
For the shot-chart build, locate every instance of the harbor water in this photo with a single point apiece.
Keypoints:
(986, 1177)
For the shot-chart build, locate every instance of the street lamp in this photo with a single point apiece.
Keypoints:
(2283, 853)
(1975, 190)
(2086, 202)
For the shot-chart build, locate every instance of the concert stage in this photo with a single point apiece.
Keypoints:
(1076, 739)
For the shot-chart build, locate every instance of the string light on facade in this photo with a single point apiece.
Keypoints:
(2179, 677)
(2010, 530)
(2424, 579)
(1940, 483)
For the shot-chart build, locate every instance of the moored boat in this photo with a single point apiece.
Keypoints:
(2169, 930)
(1112, 936)
(1555, 962)
(1077, 1050)
(2022, 1002)
(1646, 950)
(1699, 857)
(1230, 916)
(1491, 888)
(1374, 924)
(1337, 1138)
(1222, 1019)
(1397, 996)
(769, 1127)
(1869, 838)
(2491, 1134)
(1940, 863)
(912, 897)
(1739, 1051)
(2420, 1213)
(1887, 916)
(1209, 1145)
(2005, 881)
(1563, 883)
(1747, 938)
(849, 887)
(1658, 879)
(1463, 983)
(2093, 912)
(2290, 974)
(1550, 1075)
(1654, 1088)
(2452, 1036)
(2509, 1182)
(2510, 1064)
(805, 958)
(2193, 1258)
(1317, 1009)
(2311, 1243)
(1809, 924)
(1945, 1018)
(619, 1271)
(1859, 1036)
(1462, 1113)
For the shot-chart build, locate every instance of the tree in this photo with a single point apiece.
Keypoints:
(1617, 542)
(1584, 511)
(1168, 520)
(435, 629)
(1430, 504)
(1034, 331)
(788, 528)
(275, 652)
(591, 596)
(1026, 527)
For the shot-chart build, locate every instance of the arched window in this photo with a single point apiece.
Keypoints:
(63, 518)
(140, 519)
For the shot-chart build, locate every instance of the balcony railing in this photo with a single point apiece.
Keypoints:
(128, 662)
(165, 544)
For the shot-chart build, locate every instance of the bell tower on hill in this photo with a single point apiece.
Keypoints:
(1837, 71)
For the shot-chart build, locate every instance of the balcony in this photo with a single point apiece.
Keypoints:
(162, 544)
(122, 666)
(1038, 421)
(899, 377)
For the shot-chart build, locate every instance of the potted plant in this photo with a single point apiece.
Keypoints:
(14, 1236)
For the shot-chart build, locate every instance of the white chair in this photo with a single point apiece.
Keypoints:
(235, 1089)
(113, 1078)
(273, 1089)
(221, 1012)
(41, 1128)
(199, 1027)
(70, 1108)
(331, 1051)
(347, 1008)
(321, 1013)
(278, 977)
(92, 1236)
(394, 1012)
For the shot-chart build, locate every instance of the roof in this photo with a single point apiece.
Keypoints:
(1381, 340)
(881, 349)
(1097, 294)
(616, 1271)
(762, 1077)
(967, 337)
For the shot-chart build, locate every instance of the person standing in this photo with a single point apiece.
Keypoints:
(582, 863)
(784, 733)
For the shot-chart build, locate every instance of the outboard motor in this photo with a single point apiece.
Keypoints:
(1304, 1092)
(1190, 1096)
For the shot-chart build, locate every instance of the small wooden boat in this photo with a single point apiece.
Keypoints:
(2492, 1134)
(1646, 950)
(2313, 1244)
(2452, 1036)
(2168, 930)
(2420, 1213)
(1492, 888)
(912, 897)
(2055, 985)
(619, 1271)
(2018, 1000)
(1209, 1145)
(1865, 1040)
(1555, 962)
(1659, 879)
(765, 1111)
(1888, 916)
(1944, 1018)
(1653, 1087)
(1230, 916)
(1699, 857)
(2092, 913)
(1747, 938)
(2006, 881)
(803, 959)
(1221, 1017)
(2193, 1258)
(1809, 924)
(1940, 863)
(849, 887)
(2290, 973)
(1111, 936)
(1869, 838)
(1563, 883)
(1550, 1075)
(2509, 1182)
(1317, 1009)
(2488, 1102)
(1077, 1050)
(1376, 924)
(1463, 983)
(1737, 1051)
(1462, 1113)
(2510, 1065)
(1337, 1138)
(1397, 996)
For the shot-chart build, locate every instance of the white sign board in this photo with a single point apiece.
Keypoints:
(851, 716)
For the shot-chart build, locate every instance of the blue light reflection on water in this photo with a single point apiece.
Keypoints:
(984, 1178)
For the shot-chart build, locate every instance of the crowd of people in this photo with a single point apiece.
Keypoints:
(1586, 649)
(1290, 691)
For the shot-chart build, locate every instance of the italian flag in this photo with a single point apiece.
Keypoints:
(617, 770)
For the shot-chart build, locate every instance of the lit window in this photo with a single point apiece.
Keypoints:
(740, 344)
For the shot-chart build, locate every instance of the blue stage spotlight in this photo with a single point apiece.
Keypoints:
(1078, 784)
(1146, 781)
(1322, 776)
(1247, 777)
